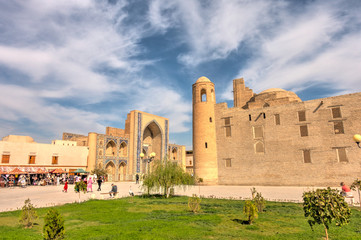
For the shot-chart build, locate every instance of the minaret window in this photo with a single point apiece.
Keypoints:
(203, 95)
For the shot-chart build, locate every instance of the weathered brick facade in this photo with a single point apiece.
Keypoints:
(276, 139)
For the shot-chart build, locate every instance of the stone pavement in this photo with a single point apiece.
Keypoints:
(45, 196)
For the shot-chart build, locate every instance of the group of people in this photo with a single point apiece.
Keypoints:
(88, 181)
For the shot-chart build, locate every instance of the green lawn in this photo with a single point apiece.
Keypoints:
(157, 218)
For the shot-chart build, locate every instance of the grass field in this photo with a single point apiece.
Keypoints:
(156, 218)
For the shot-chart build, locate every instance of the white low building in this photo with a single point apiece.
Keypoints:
(22, 152)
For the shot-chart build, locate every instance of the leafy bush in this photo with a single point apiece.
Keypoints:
(250, 210)
(54, 225)
(194, 203)
(28, 214)
(324, 206)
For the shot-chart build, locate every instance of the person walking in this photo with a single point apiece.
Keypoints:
(90, 185)
(65, 186)
(99, 181)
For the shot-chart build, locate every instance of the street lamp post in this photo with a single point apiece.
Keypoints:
(357, 138)
(148, 160)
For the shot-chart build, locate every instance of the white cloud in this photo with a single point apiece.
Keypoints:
(309, 48)
(63, 47)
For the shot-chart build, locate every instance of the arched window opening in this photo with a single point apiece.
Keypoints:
(203, 95)
(123, 149)
(110, 149)
(259, 147)
(174, 154)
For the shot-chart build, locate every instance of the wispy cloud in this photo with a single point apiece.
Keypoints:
(73, 54)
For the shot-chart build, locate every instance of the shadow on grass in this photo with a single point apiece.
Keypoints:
(243, 222)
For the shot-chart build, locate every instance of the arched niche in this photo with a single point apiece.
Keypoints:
(152, 138)
(122, 171)
(110, 149)
(123, 149)
(110, 167)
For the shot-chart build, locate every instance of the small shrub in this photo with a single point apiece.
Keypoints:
(260, 202)
(194, 203)
(324, 206)
(28, 214)
(54, 225)
(250, 210)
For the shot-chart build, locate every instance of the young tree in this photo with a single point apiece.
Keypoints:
(356, 185)
(258, 199)
(250, 210)
(28, 214)
(80, 187)
(324, 206)
(54, 225)
(166, 175)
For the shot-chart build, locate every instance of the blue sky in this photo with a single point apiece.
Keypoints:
(79, 66)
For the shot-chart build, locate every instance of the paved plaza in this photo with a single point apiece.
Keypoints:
(45, 196)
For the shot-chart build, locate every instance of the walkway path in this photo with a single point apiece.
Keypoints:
(45, 196)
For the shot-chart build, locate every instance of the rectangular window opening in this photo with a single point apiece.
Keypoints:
(227, 121)
(31, 159)
(228, 162)
(341, 155)
(307, 156)
(210, 119)
(54, 160)
(336, 112)
(228, 131)
(250, 117)
(301, 116)
(338, 127)
(5, 158)
(264, 115)
(277, 119)
(258, 132)
(206, 145)
(304, 131)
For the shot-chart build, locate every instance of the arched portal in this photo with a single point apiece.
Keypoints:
(152, 139)
(111, 171)
(123, 151)
(110, 149)
(122, 172)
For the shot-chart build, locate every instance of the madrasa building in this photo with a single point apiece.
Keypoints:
(274, 138)
(117, 150)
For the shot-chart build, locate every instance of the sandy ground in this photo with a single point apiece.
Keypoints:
(45, 196)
